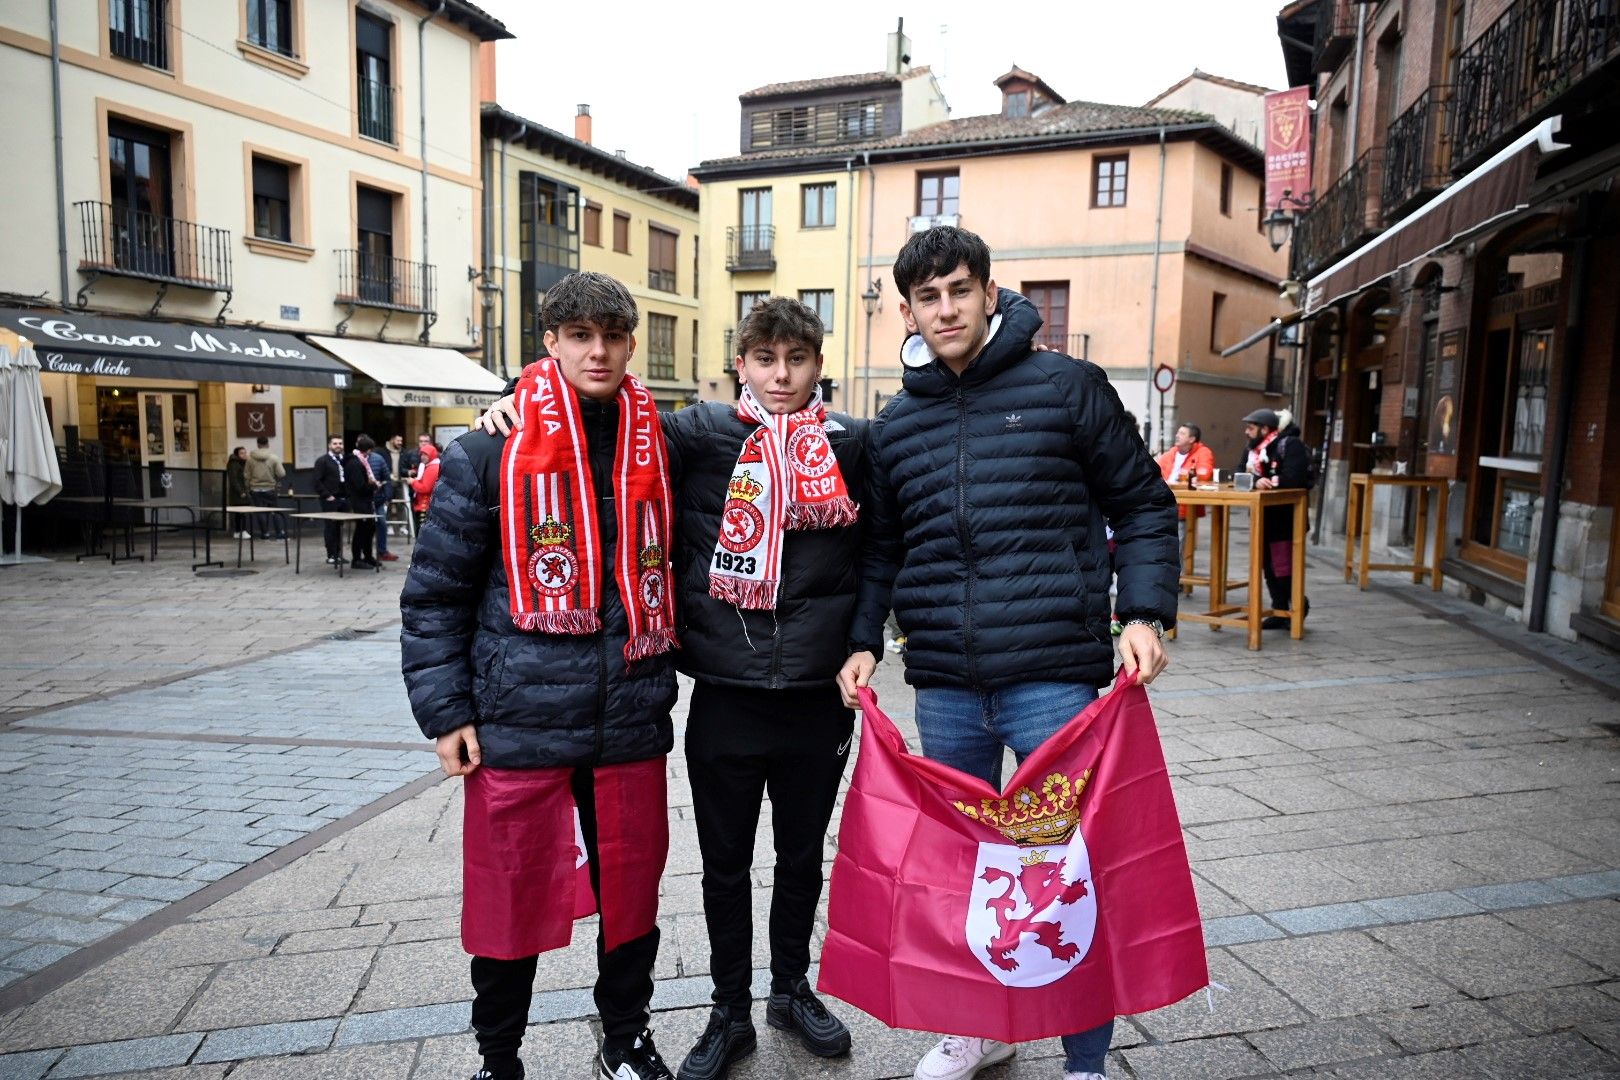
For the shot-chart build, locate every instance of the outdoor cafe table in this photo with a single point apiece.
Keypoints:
(149, 511)
(1358, 526)
(338, 516)
(249, 511)
(1221, 500)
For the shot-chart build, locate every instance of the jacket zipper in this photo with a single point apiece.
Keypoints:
(601, 688)
(775, 682)
(962, 532)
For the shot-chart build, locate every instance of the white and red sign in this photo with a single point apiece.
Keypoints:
(1288, 144)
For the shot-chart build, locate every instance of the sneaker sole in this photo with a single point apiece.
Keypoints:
(995, 1057)
(740, 1051)
(820, 1049)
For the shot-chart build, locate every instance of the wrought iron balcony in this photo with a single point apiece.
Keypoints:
(751, 247)
(366, 280)
(1335, 33)
(138, 30)
(1417, 152)
(132, 243)
(376, 110)
(1343, 216)
(1526, 61)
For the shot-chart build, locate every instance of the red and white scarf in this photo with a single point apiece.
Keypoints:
(548, 515)
(786, 477)
(1257, 455)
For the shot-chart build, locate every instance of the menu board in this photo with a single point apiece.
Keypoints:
(308, 435)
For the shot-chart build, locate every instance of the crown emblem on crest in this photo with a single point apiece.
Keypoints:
(551, 532)
(1034, 858)
(652, 556)
(1027, 817)
(744, 487)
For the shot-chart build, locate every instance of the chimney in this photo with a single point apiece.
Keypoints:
(622, 155)
(582, 124)
(486, 72)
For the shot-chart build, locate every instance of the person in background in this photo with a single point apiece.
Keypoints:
(332, 489)
(361, 485)
(1187, 458)
(427, 474)
(410, 461)
(1279, 459)
(264, 476)
(236, 491)
(395, 448)
(382, 471)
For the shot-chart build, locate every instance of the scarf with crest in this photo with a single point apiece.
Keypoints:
(786, 477)
(548, 515)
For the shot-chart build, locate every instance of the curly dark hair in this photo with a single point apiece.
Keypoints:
(939, 251)
(778, 318)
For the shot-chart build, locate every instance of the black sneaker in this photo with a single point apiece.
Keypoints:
(638, 1060)
(822, 1033)
(485, 1074)
(724, 1041)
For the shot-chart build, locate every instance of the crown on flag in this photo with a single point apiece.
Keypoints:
(652, 556)
(1034, 858)
(1025, 817)
(551, 532)
(744, 487)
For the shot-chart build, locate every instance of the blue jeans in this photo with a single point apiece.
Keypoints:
(967, 729)
(380, 508)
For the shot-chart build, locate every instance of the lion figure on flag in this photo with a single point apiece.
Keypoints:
(1042, 885)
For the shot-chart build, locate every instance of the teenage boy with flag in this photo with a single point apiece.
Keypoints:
(766, 548)
(538, 624)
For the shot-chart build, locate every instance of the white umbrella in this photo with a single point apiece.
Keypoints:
(31, 471)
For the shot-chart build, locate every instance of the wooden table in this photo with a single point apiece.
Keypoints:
(249, 511)
(339, 516)
(1222, 500)
(1358, 525)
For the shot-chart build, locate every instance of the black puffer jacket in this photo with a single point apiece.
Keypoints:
(538, 699)
(806, 639)
(989, 496)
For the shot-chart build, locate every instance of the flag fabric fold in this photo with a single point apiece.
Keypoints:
(1045, 910)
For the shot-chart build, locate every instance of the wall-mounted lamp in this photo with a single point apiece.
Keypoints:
(872, 298)
(258, 388)
(1280, 222)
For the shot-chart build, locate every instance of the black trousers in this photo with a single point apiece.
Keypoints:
(1277, 527)
(503, 989)
(364, 531)
(333, 529)
(740, 745)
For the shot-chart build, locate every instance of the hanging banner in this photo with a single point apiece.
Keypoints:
(1288, 144)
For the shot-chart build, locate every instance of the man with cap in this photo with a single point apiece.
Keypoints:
(1278, 459)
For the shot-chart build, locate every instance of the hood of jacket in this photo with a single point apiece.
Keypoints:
(429, 452)
(262, 456)
(1013, 327)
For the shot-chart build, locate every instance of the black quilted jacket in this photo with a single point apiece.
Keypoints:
(538, 699)
(989, 496)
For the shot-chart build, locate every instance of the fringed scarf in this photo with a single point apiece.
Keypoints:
(548, 515)
(786, 477)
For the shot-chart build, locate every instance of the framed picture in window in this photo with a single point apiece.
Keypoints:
(445, 434)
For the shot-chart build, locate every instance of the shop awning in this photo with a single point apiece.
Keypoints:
(1264, 332)
(418, 374)
(74, 343)
(1496, 190)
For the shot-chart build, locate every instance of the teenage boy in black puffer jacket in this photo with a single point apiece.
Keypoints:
(766, 574)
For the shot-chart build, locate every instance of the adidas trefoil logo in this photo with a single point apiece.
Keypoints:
(1014, 423)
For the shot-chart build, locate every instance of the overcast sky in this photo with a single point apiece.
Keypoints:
(662, 79)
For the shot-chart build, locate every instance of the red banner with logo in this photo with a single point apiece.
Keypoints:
(1045, 911)
(1288, 144)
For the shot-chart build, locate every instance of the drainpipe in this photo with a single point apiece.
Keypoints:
(871, 233)
(1355, 84)
(1558, 454)
(421, 117)
(849, 288)
(486, 315)
(1153, 304)
(522, 131)
(61, 183)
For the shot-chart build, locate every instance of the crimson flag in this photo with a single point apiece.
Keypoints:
(1047, 911)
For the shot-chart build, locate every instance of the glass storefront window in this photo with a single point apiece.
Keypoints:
(1513, 518)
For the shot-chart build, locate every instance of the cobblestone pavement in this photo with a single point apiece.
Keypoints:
(1404, 830)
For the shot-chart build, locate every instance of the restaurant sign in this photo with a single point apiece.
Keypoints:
(438, 399)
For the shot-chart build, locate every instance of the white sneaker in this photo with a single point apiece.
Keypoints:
(958, 1057)
(1083, 1076)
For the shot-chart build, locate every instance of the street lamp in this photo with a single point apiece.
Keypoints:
(1280, 222)
(872, 300)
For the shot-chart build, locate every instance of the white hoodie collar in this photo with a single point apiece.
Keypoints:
(915, 353)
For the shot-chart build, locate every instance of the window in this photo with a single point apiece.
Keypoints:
(696, 247)
(1016, 104)
(141, 233)
(621, 232)
(548, 247)
(272, 200)
(819, 301)
(138, 30)
(375, 269)
(754, 235)
(1051, 299)
(593, 224)
(694, 350)
(661, 266)
(938, 193)
(820, 206)
(811, 125)
(1260, 207)
(858, 119)
(660, 346)
(374, 88)
(270, 25)
(746, 302)
(1226, 189)
(1217, 301)
(1108, 175)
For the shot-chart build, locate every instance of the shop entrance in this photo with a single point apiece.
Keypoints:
(156, 432)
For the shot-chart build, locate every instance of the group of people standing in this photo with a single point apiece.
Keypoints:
(566, 571)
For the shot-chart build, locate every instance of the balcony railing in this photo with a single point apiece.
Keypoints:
(133, 243)
(1526, 60)
(377, 281)
(1335, 33)
(1416, 152)
(751, 247)
(138, 30)
(376, 110)
(1345, 214)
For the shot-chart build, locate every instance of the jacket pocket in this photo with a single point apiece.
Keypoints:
(489, 680)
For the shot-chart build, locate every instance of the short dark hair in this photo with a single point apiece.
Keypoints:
(264, 440)
(363, 442)
(778, 318)
(939, 251)
(587, 296)
(1194, 431)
